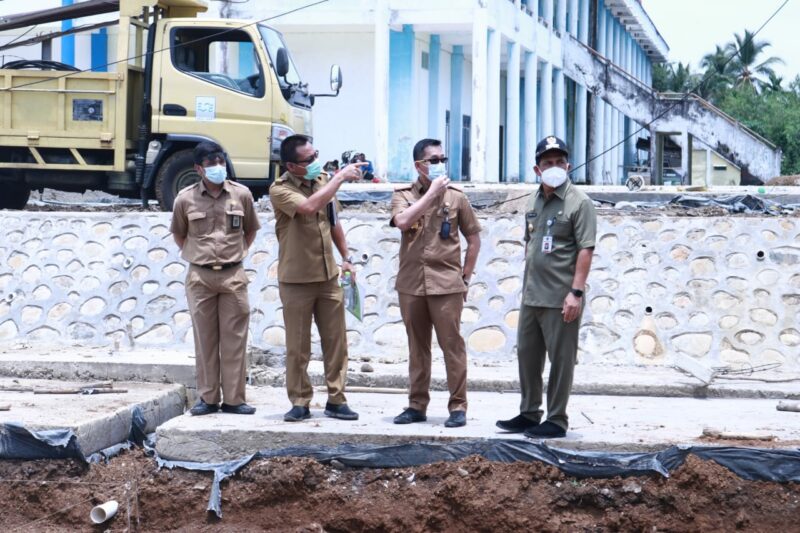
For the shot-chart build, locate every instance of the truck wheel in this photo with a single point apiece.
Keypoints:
(15, 195)
(175, 174)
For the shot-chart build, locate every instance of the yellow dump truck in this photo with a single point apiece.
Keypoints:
(177, 80)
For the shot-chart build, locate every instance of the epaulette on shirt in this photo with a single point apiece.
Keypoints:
(455, 188)
(404, 187)
(188, 188)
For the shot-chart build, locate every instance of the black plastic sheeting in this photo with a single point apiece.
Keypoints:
(742, 203)
(749, 463)
(18, 442)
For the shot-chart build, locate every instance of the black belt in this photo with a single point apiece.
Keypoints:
(222, 266)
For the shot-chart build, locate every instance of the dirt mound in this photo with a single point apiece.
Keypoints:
(785, 181)
(297, 494)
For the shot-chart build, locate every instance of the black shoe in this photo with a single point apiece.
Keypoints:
(341, 411)
(202, 408)
(546, 430)
(409, 416)
(518, 424)
(241, 409)
(456, 420)
(296, 414)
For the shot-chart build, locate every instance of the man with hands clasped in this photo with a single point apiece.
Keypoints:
(431, 283)
(560, 228)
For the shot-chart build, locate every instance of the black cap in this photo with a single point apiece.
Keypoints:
(550, 143)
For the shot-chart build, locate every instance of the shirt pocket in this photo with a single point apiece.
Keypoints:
(198, 222)
(562, 229)
(451, 226)
(234, 220)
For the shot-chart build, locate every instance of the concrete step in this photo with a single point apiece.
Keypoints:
(98, 421)
(597, 423)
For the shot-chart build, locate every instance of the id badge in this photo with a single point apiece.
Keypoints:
(547, 244)
(236, 221)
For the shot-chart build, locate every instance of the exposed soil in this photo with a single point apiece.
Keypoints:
(296, 494)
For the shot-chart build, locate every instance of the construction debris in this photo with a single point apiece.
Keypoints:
(789, 406)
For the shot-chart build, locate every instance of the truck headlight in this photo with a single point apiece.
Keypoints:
(279, 133)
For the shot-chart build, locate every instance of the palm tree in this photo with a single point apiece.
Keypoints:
(718, 73)
(775, 84)
(748, 70)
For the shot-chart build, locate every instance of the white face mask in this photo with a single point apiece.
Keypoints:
(436, 171)
(554, 177)
(216, 174)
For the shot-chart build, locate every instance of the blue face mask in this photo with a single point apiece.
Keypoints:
(216, 174)
(438, 170)
(313, 170)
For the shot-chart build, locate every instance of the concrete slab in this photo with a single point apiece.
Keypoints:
(99, 421)
(598, 422)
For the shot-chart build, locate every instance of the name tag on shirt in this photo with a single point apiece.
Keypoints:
(547, 244)
(236, 222)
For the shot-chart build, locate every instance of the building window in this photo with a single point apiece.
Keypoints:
(426, 58)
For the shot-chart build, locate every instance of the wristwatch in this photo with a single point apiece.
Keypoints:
(348, 259)
(576, 292)
(465, 280)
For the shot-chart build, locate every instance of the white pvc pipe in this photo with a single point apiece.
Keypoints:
(104, 512)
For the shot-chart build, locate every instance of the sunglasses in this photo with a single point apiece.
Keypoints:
(433, 160)
(309, 160)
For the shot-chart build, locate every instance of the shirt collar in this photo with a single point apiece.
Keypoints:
(226, 187)
(560, 191)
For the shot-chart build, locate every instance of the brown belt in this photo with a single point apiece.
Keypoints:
(221, 266)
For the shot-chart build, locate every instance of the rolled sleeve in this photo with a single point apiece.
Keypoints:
(285, 199)
(179, 225)
(585, 224)
(467, 220)
(251, 222)
(399, 204)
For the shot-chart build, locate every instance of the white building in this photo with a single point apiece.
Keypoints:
(486, 76)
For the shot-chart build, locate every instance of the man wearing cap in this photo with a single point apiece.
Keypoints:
(214, 223)
(304, 200)
(560, 228)
(431, 283)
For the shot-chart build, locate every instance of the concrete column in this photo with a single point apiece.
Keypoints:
(607, 127)
(547, 13)
(686, 158)
(512, 113)
(596, 141)
(559, 108)
(583, 22)
(380, 110)
(561, 17)
(531, 108)
(610, 118)
(493, 154)
(574, 13)
(456, 112)
(656, 156)
(548, 128)
(709, 167)
(579, 149)
(478, 137)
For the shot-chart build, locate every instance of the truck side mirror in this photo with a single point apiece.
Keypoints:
(282, 62)
(336, 78)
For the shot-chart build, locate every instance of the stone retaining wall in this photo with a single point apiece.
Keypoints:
(721, 290)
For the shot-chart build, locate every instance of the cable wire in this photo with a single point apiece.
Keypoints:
(205, 38)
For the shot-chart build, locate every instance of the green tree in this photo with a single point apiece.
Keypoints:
(718, 76)
(775, 84)
(749, 71)
(672, 79)
(774, 115)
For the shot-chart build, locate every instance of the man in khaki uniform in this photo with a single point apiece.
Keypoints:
(431, 284)
(308, 278)
(560, 229)
(214, 223)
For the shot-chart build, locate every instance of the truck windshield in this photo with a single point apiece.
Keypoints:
(274, 41)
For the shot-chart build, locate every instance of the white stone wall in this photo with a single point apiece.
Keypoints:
(101, 278)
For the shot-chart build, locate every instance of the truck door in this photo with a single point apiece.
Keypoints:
(213, 84)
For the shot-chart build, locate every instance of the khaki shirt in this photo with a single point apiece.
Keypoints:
(428, 263)
(569, 217)
(305, 246)
(214, 227)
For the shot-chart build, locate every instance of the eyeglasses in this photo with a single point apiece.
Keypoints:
(309, 160)
(433, 160)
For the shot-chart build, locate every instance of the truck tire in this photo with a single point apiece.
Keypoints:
(175, 174)
(14, 196)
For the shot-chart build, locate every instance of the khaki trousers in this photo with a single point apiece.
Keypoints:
(420, 315)
(220, 313)
(543, 333)
(324, 302)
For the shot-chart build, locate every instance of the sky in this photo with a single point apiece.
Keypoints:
(693, 27)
